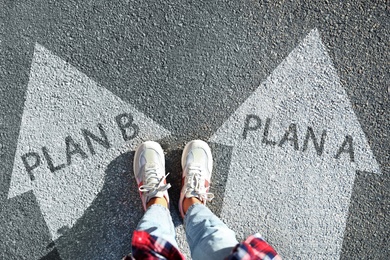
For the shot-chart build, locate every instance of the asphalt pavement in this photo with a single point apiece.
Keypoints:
(292, 96)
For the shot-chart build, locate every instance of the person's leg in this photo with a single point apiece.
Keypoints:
(157, 221)
(149, 170)
(208, 237)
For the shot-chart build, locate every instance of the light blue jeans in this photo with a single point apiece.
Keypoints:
(208, 237)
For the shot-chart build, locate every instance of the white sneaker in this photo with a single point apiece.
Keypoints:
(197, 164)
(149, 171)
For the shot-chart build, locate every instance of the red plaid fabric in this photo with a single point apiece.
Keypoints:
(146, 246)
(254, 248)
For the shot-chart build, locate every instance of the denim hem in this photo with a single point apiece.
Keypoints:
(157, 205)
(189, 210)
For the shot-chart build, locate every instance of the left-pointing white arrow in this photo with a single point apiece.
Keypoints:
(70, 131)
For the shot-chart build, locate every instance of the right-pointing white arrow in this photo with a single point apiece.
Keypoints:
(297, 146)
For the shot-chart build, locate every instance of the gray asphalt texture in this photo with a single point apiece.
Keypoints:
(187, 65)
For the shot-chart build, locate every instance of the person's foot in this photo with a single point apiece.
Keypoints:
(197, 164)
(149, 171)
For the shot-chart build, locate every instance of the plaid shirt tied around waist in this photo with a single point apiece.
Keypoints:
(146, 246)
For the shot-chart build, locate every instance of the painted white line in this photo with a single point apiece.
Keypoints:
(297, 146)
(71, 130)
(3, 138)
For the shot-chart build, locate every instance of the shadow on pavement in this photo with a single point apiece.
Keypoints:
(105, 229)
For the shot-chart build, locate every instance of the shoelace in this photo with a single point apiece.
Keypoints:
(195, 184)
(153, 184)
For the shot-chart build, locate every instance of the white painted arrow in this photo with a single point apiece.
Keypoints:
(70, 131)
(297, 146)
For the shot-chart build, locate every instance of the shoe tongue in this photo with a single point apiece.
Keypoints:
(150, 166)
(194, 167)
